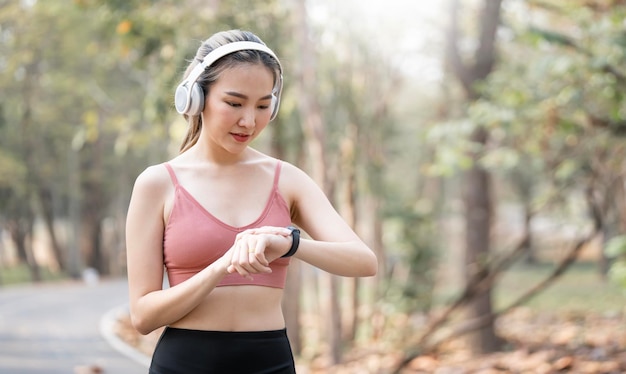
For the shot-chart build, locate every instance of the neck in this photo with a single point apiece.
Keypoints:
(203, 154)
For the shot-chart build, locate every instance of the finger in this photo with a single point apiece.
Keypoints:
(257, 258)
(243, 257)
(278, 231)
(267, 230)
(258, 250)
(240, 259)
(248, 261)
(256, 261)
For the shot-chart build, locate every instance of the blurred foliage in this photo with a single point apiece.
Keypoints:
(615, 249)
(410, 234)
(87, 104)
(90, 101)
(555, 105)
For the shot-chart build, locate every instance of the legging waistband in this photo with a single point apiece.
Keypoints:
(265, 334)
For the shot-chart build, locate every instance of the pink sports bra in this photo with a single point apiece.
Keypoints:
(194, 238)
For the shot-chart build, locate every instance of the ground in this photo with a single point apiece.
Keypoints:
(576, 325)
(583, 343)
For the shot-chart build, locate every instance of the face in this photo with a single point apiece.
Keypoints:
(237, 107)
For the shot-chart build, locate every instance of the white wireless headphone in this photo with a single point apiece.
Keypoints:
(189, 98)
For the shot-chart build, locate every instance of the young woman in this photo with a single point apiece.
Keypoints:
(220, 217)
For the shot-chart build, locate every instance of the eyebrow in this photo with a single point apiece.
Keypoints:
(242, 96)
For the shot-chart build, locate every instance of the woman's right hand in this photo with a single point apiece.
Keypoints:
(255, 248)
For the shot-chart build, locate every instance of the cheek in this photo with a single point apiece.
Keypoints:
(264, 116)
(223, 111)
(261, 125)
(218, 109)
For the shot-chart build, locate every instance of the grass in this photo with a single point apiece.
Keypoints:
(20, 274)
(581, 288)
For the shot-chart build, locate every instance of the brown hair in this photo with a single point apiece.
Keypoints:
(210, 75)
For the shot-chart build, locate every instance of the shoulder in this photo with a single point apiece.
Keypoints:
(153, 179)
(291, 172)
(295, 182)
(306, 199)
(149, 196)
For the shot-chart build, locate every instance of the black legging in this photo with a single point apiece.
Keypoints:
(181, 351)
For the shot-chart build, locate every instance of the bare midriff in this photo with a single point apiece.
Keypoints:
(237, 308)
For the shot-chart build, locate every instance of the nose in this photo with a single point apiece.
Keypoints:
(247, 119)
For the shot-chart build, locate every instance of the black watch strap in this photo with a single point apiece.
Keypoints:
(295, 235)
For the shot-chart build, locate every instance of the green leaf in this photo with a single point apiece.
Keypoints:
(616, 247)
(553, 37)
(566, 170)
(617, 274)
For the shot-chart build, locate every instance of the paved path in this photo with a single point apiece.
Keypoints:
(59, 328)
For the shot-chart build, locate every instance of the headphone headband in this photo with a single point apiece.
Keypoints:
(184, 100)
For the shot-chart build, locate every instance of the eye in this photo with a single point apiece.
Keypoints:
(233, 104)
(264, 106)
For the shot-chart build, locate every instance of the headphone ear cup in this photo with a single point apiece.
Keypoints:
(196, 101)
(180, 98)
(187, 104)
(274, 106)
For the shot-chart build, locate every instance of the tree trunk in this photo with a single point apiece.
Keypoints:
(23, 222)
(596, 197)
(45, 199)
(477, 197)
(531, 257)
(74, 255)
(523, 182)
(293, 287)
(91, 227)
(94, 203)
(314, 130)
(478, 213)
(620, 203)
(21, 230)
(348, 208)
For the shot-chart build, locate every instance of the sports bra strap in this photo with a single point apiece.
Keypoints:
(172, 174)
(277, 174)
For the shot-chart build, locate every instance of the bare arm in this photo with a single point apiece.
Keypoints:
(334, 246)
(152, 307)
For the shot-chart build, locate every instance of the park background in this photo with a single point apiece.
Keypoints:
(477, 146)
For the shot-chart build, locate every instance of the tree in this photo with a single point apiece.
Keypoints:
(569, 88)
(22, 138)
(313, 127)
(477, 194)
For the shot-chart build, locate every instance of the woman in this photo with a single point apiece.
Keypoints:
(219, 217)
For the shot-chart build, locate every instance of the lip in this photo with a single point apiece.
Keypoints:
(241, 138)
